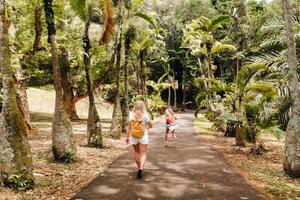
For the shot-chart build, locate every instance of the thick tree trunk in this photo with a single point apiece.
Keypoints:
(94, 128)
(15, 156)
(68, 94)
(20, 80)
(292, 139)
(63, 141)
(239, 139)
(116, 126)
(37, 44)
(22, 99)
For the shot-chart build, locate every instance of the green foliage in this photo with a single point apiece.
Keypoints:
(66, 157)
(20, 182)
(79, 7)
(97, 142)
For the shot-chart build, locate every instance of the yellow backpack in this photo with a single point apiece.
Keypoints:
(137, 128)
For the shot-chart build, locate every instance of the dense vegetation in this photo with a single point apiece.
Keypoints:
(234, 60)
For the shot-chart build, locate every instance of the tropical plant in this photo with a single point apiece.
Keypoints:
(103, 14)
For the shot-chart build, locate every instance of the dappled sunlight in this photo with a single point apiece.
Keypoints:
(189, 170)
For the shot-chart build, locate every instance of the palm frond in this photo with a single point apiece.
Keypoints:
(247, 73)
(218, 47)
(108, 21)
(218, 21)
(149, 18)
(275, 60)
(274, 130)
(79, 7)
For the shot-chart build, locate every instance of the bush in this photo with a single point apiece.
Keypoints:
(20, 182)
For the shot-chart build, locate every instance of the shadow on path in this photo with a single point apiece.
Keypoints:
(191, 170)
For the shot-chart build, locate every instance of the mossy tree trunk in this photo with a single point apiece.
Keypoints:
(68, 93)
(292, 139)
(93, 123)
(116, 126)
(15, 156)
(63, 141)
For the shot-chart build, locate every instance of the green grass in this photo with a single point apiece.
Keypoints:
(204, 126)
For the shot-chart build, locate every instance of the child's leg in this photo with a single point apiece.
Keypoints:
(174, 135)
(166, 135)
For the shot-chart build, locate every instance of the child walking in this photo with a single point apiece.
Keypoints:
(170, 124)
(137, 134)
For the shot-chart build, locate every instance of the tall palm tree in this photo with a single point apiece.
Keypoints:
(15, 157)
(200, 40)
(116, 126)
(129, 37)
(292, 140)
(63, 141)
(88, 12)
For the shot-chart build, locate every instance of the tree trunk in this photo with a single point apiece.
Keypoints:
(15, 155)
(175, 91)
(68, 94)
(37, 44)
(125, 103)
(20, 80)
(292, 139)
(183, 90)
(63, 141)
(21, 93)
(210, 72)
(94, 128)
(169, 92)
(138, 79)
(239, 140)
(116, 126)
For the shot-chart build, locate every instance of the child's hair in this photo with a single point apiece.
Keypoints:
(139, 108)
(170, 111)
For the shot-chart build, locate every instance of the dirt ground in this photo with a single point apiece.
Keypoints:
(264, 172)
(61, 181)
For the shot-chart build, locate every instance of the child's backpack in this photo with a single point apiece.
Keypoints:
(137, 128)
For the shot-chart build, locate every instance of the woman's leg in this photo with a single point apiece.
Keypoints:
(143, 155)
(136, 148)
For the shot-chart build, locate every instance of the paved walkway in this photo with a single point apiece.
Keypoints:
(191, 170)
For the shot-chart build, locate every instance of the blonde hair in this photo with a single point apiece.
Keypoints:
(139, 108)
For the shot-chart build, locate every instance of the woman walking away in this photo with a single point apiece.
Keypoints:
(170, 124)
(137, 134)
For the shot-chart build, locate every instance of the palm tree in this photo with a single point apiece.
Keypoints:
(116, 126)
(292, 144)
(129, 37)
(15, 157)
(88, 13)
(246, 100)
(63, 141)
(198, 37)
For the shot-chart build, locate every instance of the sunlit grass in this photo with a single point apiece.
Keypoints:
(204, 126)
